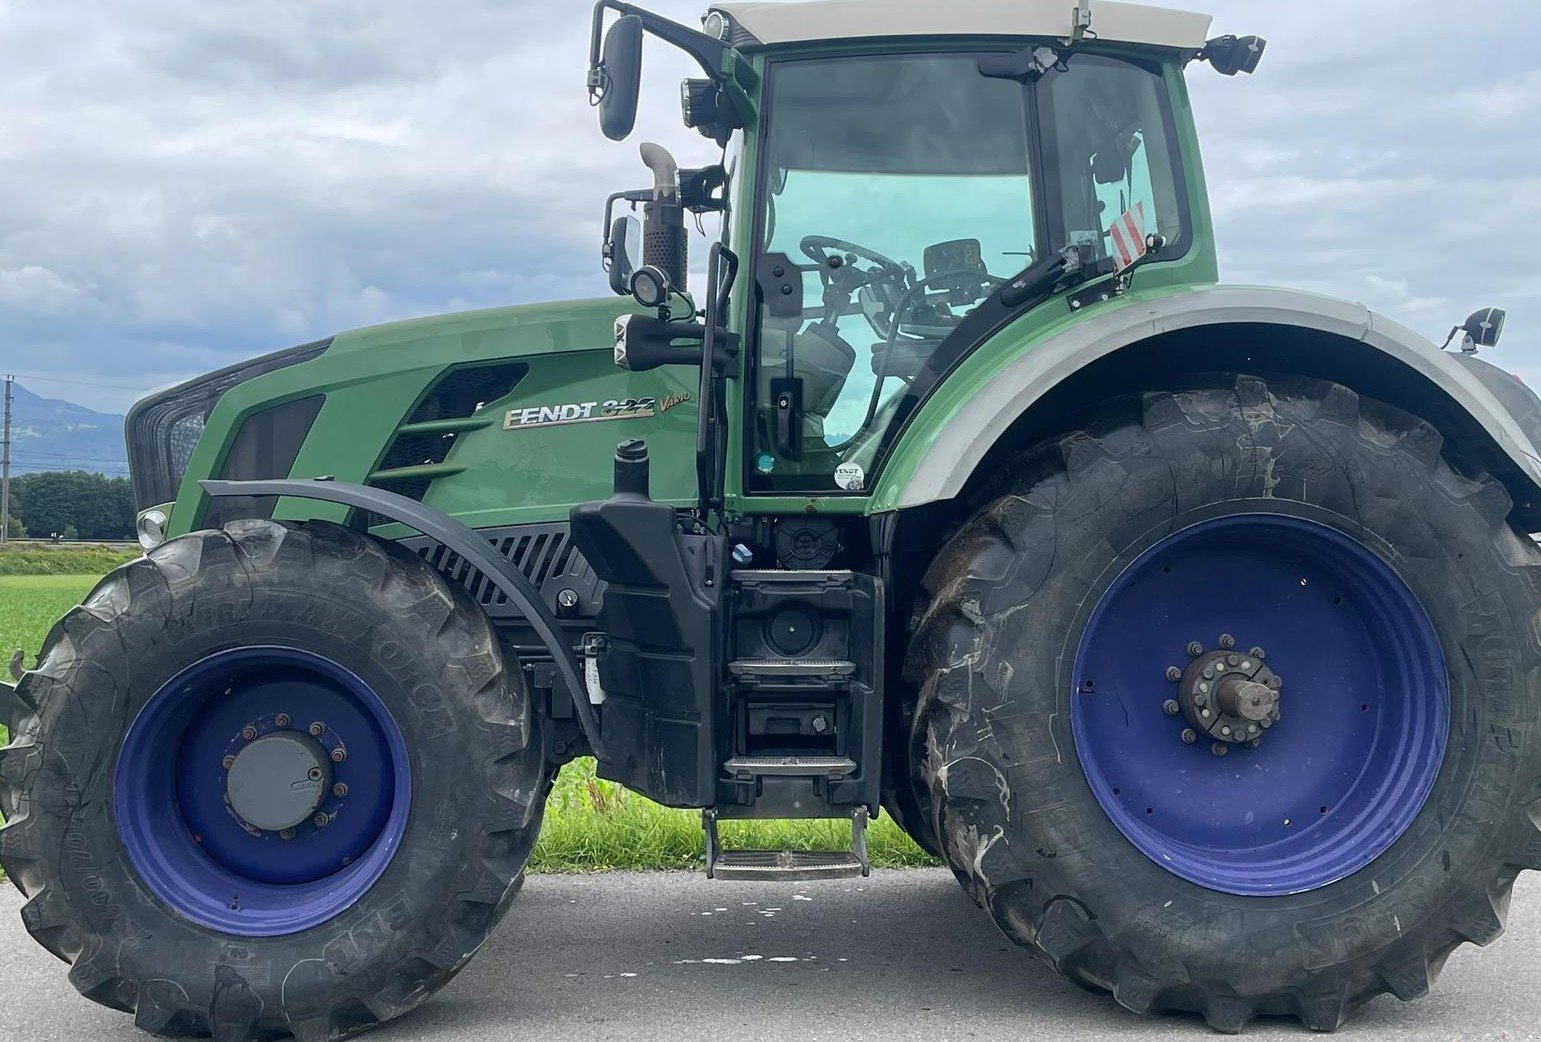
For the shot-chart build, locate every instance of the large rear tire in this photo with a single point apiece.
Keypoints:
(1382, 818)
(153, 823)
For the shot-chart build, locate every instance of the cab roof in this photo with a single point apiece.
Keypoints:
(767, 24)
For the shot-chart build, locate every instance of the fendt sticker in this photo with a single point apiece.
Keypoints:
(579, 412)
(588, 412)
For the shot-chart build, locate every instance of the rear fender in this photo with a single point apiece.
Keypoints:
(944, 445)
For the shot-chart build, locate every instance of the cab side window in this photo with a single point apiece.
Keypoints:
(1116, 153)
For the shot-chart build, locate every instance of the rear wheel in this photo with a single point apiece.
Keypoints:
(272, 780)
(1229, 705)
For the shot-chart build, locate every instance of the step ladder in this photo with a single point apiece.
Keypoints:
(799, 866)
(788, 865)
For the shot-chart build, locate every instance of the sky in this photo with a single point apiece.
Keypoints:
(184, 184)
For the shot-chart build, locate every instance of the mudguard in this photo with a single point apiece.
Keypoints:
(464, 541)
(951, 435)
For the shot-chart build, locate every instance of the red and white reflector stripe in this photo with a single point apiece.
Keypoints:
(1128, 234)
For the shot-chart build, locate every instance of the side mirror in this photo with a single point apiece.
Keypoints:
(622, 78)
(624, 252)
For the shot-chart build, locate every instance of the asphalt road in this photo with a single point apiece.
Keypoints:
(901, 956)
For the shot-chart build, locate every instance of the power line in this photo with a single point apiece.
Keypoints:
(33, 454)
(82, 383)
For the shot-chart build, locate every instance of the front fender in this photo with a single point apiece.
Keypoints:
(952, 432)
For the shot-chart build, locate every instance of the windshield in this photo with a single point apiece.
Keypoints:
(901, 192)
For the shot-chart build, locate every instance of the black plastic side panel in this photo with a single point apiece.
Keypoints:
(846, 610)
(661, 661)
(266, 446)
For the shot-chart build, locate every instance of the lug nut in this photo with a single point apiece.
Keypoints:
(248, 733)
(1190, 736)
(282, 720)
(1209, 672)
(1200, 700)
(1225, 730)
(1227, 642)
(1195, 649)
(228, 762)
(1258, 653)
(320, 821)
(286, 834)
(339, 790)
(339, 754)
(1174, 674)
(317, 729)
(1220, 749)
(1170, 707)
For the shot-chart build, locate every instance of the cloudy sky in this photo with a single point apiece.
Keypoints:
(186, 183)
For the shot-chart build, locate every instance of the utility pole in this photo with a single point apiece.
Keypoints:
(5, 464)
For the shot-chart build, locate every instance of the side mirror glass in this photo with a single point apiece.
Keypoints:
(624, 253)
(622, 72)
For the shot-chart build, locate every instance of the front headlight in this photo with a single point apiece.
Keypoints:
(163, 429)
(151, 527)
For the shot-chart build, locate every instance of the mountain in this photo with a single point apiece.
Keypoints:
(51, 434)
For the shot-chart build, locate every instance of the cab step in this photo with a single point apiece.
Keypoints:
(787, 865)
(748, 767)
(819, 674)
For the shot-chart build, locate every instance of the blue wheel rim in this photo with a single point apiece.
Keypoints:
(184, 837)
(1364, 705)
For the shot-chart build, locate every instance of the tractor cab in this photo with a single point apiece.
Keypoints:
(905, 184)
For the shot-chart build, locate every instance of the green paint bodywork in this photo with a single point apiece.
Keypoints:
(373, 378)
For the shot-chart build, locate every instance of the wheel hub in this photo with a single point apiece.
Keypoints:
(279, 781)
(1230, 697)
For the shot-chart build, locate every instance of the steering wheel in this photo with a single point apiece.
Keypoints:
(881, 287)
(820, 247)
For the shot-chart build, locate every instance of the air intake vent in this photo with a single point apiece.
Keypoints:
(543, 553)
(453, 406)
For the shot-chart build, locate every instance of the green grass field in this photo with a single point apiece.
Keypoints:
(30, 604)
(24, 558)
(591, 825)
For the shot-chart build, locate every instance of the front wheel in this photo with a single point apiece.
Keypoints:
(1229, 704)
(272, 780)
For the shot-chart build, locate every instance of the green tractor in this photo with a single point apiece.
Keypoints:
(1194, 626)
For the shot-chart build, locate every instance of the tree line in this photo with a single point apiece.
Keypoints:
(72, 505)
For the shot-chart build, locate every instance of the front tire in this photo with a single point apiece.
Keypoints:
(1378, 823)
(153, 823)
